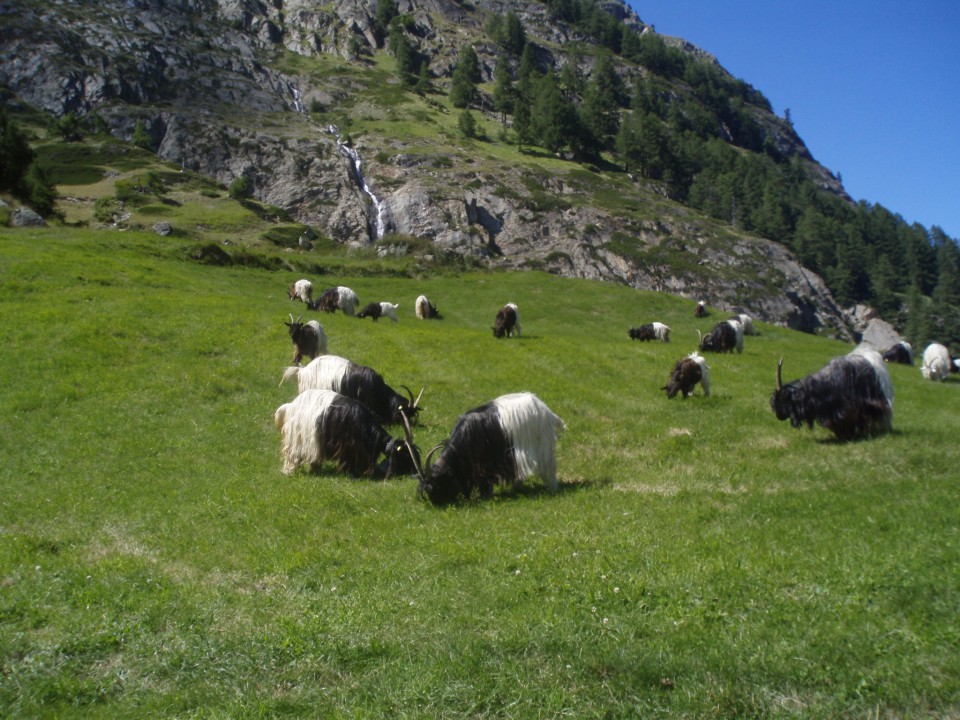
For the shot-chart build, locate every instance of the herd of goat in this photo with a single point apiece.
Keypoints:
(342, 409)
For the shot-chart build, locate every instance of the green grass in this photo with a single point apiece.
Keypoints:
(700, 560)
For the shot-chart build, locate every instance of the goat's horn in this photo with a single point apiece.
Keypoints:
(779, 378)
(416, 402)
(298, 319)
(430, 455)
(291, 319)
(409, 395)
(413, 456)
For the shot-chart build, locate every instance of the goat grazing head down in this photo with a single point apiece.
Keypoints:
(686, 374)
(937, 363)
(726, 336)
(308, 339)
(901, 353)
(504, 441)
(330, 372)
(323, 425)
(507, 321)
(425, 309)
(852, 396)
(700, 310)
(372, 310)
(301, 290)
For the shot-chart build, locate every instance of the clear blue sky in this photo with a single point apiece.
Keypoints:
(873, 87)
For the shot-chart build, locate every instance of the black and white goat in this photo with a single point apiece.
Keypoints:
(901, 353)
(507, 321)
(301, 290)
(309, 339)
(686, 374)
(726, 336)
(331, 372)
(323, 425)
(852, 396)
(425, 309)
(936, 362)
(746, 322)
(504, 441)
(338, 298)
(650, 331)
(377, 310)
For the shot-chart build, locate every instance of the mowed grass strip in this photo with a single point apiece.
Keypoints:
(701, 559)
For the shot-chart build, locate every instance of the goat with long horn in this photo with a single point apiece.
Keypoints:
(852, 396)
(504, 441)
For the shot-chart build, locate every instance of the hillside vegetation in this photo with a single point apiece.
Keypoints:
(700, 558)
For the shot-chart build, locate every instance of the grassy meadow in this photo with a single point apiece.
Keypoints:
(701, 559)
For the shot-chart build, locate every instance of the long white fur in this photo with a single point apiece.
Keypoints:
(303, 289)
(516, 325)
(298, 424)
(876, 359)
(747, 322)
(389, 310)
(321, 336)
(936, 362)
(323, 372)
(704, 371)
(347, 300)
(422, 306)
(532, 428)
(738, 327)
(661, 331)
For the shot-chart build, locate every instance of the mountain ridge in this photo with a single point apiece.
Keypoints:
(244, 89)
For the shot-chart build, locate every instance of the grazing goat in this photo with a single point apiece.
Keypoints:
(377, 310)
(301, 290)
(308, 339)
(936, 362)
(686, 374)
(504, 441)
(330, 372)
(338, 298)
(650, 331)
(700, 310)
(425, 309)
(323, 425)
(900, 353)
(746, 322)
(726, 336)
(852, 396)
(507, 321)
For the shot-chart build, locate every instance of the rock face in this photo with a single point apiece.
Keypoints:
(216, 84)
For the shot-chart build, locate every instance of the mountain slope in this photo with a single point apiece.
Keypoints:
(267, 92)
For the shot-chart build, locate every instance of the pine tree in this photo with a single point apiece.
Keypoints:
(466, 75)
(503, 91)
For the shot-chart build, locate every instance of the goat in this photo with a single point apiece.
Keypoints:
(504, 441)
(377, 310)
(331, 372)
(507, 321)
(900, 353)
(308, 339)
(852, 396)
(338, 298)
(746, 322)
(700, 310)
(650, 331)
(686, 374)
(936, 362)
(425, 309)
(323, 425)
(726, 336)
(301, 290)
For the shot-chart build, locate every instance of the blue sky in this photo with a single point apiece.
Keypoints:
(873, 88)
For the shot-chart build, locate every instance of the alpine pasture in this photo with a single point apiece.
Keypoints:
(700, 559)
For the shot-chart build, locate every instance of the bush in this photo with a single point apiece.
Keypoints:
(240, 188)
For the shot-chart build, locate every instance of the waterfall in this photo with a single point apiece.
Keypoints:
(297, 103)
(354, 157)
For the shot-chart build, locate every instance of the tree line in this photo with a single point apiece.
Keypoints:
(696, 131)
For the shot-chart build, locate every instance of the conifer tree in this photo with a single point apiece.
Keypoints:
(503, 91)
(466, 75)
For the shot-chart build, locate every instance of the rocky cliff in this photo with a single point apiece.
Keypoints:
(233, 88)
